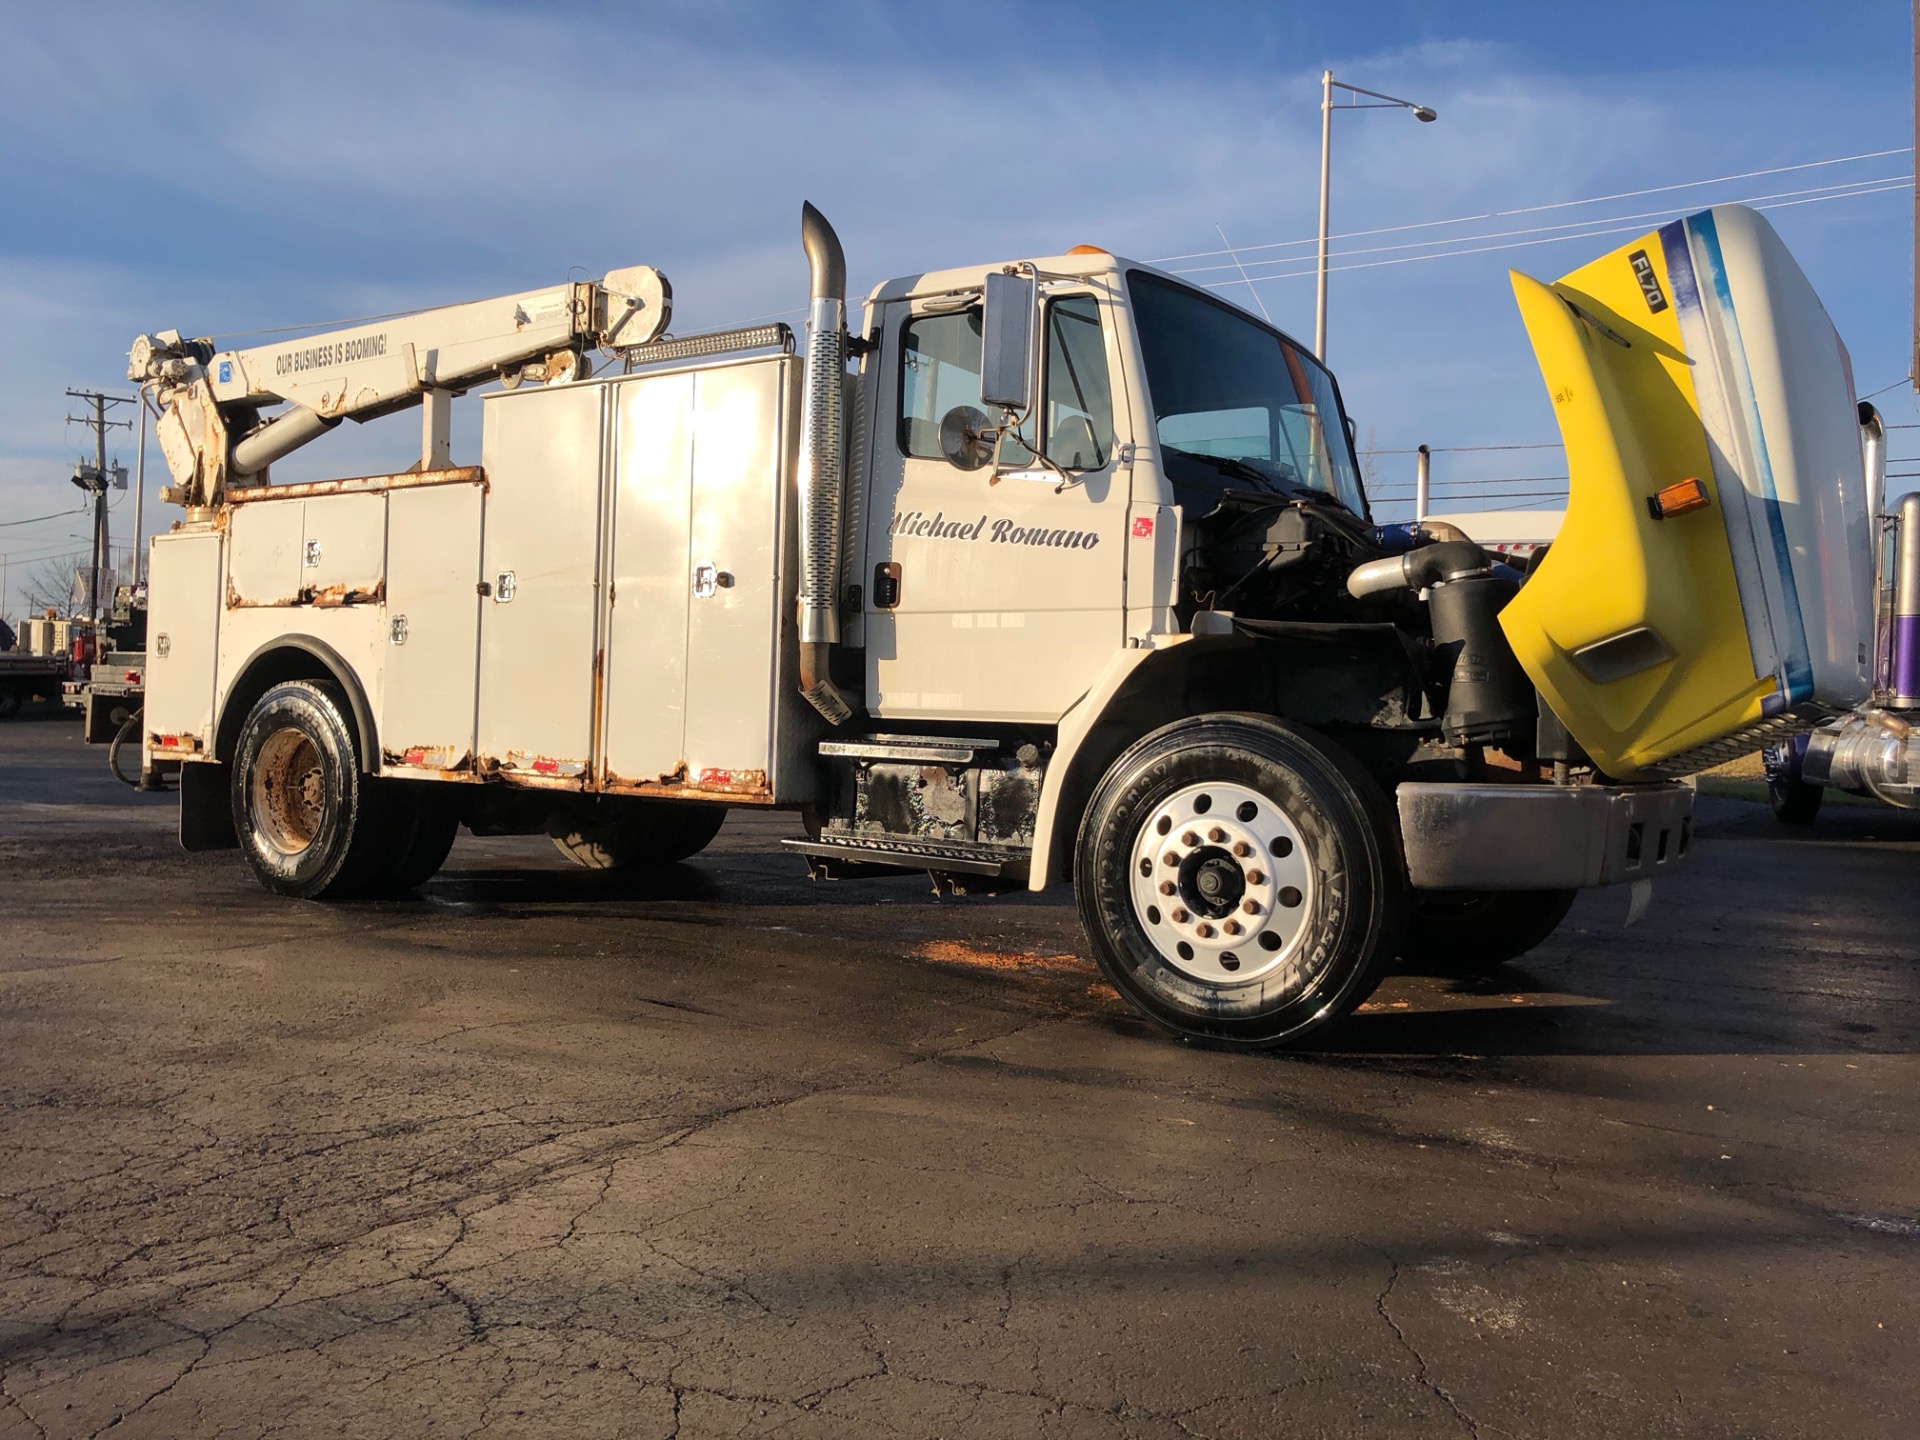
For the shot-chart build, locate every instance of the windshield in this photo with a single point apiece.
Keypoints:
(1234, 403)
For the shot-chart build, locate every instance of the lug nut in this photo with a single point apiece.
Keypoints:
(1167, 887)
(1232, 927)
(1169, 858)
(1180, 917)
(1203, 930)
(1256, 877)
(1250, 907)
(1216, 835)
(1242, 849)
(1189, 838)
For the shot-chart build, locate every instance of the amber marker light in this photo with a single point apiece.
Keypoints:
(1689, 494)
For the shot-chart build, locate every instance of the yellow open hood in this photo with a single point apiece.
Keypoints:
(1698, 352)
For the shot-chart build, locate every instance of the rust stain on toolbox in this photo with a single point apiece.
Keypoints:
(327, 597)
(360, 484)
(740, 787)
(520, 767)
(333, 596)
(446, 762)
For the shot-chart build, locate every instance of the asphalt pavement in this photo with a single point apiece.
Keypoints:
(729, 1152)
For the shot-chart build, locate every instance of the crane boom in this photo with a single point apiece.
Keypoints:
(215, 429)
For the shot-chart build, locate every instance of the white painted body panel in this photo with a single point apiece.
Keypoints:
(263, 555)
(356, 633)
(430, 665)
(343, 548)
(733, 629)
(183, 628)
(646, 718)
(539, 631)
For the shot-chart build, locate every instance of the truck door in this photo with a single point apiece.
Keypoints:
(984, 599)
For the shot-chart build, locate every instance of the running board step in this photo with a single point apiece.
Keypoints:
(930, 749)
(944, 856)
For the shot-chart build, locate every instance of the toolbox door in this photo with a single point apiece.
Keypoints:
(539, 623)
(433, 628)
(647, 620)
(183, 631)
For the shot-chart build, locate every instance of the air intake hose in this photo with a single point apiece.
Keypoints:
(822, 466)
(1489, 698)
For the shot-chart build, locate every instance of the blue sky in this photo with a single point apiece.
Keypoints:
(222, 168)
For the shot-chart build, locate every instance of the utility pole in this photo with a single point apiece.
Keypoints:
(95, 479)
(140, 486)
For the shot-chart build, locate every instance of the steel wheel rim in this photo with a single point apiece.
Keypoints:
(287, 794)
(1221, 883)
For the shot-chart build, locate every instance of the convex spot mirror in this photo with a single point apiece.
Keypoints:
(1006, 342)
(966, 437)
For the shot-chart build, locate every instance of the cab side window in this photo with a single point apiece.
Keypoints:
(1079, 396)
(940, 368)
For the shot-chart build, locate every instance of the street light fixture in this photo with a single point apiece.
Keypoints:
(1378, 102)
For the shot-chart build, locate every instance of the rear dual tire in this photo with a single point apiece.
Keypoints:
(312, 824)
(639, 835)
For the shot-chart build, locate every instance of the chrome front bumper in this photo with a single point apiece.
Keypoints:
(1542, 837)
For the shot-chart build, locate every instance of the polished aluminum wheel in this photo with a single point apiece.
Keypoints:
(1222, 883)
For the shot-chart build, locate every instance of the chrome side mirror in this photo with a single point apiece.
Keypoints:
(1006, 342)
(967, 437)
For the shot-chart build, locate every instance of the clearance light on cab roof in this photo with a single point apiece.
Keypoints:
(1678, 499)
(1088, 250)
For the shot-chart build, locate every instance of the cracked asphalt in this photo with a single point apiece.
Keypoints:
(729, 1153)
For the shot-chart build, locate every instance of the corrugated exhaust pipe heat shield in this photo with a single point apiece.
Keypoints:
(822, 463)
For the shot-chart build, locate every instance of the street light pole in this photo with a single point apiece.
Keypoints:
(1326, 157)
(1379, 102)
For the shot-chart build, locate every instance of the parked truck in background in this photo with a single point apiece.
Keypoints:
(1871, 751)
(36, 664)
(1070, 575)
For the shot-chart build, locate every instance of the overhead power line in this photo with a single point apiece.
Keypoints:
(1555, 205)
(40, 519)
(1833, 191)
(1524, 244)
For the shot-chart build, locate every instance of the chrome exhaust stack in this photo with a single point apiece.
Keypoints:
(822, 463)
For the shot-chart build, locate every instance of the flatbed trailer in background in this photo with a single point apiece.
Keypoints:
(25, 678)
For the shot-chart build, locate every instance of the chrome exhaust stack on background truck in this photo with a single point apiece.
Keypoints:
(1137, 631)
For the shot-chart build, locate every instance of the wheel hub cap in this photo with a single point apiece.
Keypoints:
(1222, 884)
(288, 794)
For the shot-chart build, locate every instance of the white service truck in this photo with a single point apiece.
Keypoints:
(1054, 569)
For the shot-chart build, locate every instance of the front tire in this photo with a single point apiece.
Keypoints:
(310, 823)
(1473, 932)
(1240, 879)
(636, 836)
